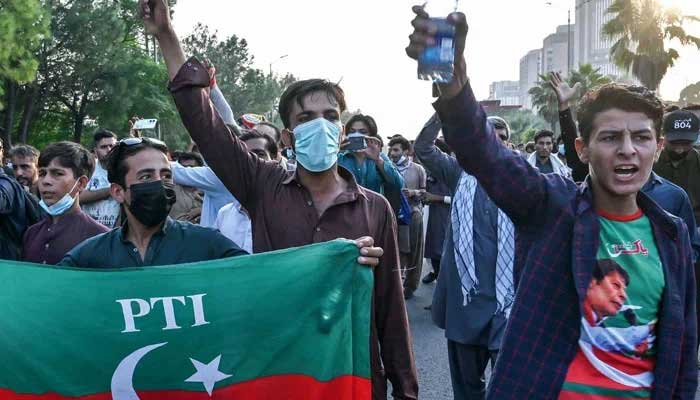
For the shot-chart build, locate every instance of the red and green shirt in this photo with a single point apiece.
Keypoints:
(617, 347)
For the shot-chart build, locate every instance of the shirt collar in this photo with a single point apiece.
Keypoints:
(353, 188)
(169, 222)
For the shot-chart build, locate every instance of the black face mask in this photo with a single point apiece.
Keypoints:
(677, 156)
(151, 202)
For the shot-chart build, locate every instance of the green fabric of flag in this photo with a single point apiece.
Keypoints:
(291, 324)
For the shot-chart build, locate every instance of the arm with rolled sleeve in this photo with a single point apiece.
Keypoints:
(516, 187)
(202, 178)
(390, 317)
(222, 106)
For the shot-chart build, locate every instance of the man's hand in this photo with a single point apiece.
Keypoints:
(565, 93)
(369, 255)
(429, 198)
(374, 148)
(424, 36)
(156, 16)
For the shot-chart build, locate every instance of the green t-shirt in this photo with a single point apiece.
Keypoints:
(617, 348)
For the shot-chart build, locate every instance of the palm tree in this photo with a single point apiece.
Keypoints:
(640, 29)
(545, 101)
(588, 78)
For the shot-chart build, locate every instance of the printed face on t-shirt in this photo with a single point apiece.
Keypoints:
(607, 296)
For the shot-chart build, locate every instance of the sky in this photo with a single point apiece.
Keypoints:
(360, 43)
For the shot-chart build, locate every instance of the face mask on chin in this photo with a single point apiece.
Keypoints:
(151, 202)
(316, 144)
(62, 206)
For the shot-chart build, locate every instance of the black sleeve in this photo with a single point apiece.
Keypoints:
(579, 170)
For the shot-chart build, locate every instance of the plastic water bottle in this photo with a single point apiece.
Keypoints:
(437, 62)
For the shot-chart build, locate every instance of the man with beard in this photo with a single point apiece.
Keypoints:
(24, 165)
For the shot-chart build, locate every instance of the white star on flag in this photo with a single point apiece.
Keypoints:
(207, 374)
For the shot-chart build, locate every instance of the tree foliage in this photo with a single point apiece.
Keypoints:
(690, 95)
(641, 30)
(247, 89)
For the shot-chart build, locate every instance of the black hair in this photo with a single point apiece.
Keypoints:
(543, 133)
(402, 141)
(271, 146)
(116, 164)
(606, 267)
(624, 97)
(69, 155)
(196, 157)
(102, 134)
(530, 146)
(25, 151)
(278, 133)
(297, 91)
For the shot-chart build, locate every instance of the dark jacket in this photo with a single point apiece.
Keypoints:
(557, 232)
(18, 211)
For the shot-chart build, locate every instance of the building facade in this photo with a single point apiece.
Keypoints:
(555, 48)
(508, 92)
(591, 46)
(530, 70)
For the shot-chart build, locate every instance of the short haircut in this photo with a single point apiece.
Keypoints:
(25, 151)
(271, 146)
(365, 119)
(297, 91)
(102, 134)
(278, 133)
(671, 108)
(116, 164)
(69, 155)
(196, 157)
(530, 146)
(543, 133)
(402, 141)
(442, 145)
(624, 97)
(499, 123)
(606, 267)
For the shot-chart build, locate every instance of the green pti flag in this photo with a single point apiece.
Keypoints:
(292, 324)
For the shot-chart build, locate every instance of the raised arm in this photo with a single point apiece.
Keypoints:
(242, 173)
(565, 94)
(440, 165)
(515, 186)
(202, 178)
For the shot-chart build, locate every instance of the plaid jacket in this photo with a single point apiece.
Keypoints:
(557, 242)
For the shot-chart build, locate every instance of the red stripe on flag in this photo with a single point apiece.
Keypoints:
(288, 387)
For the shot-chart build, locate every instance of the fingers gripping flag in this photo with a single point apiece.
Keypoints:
(292, 324)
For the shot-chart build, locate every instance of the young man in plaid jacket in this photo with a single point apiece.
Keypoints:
(605, 300)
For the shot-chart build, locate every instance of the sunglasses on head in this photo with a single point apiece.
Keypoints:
(135, 141)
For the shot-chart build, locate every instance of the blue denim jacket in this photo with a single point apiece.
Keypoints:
(557, 233)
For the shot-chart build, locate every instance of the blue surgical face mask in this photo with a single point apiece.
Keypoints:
(316, 144)
(60, 207)
(561, 149)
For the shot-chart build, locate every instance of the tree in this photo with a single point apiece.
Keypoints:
(545, 101)
(23, 25)
(247, 89)
(641, 29)
(690, 95)
(588, 78)
(521, 122)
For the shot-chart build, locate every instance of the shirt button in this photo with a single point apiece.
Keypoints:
(49, 229)
(309, 203)
(135, 250)
(46, 246)
(318, 229)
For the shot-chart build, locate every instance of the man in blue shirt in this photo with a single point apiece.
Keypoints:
(371, 167)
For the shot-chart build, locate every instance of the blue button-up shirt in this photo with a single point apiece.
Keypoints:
(557, 233)
(674, 200)
(367, 173)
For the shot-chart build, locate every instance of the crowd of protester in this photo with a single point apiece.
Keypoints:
(525, 232)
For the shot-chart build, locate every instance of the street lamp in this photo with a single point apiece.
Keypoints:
(568, 38)
(275, 60)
